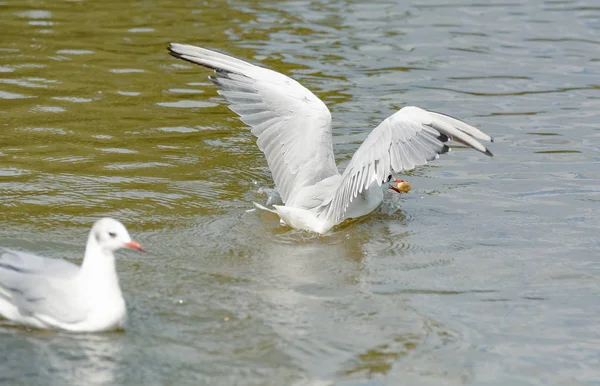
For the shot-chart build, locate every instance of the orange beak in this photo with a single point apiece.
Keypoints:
(135, 246)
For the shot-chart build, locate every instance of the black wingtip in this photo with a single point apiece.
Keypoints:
(172, 52)
(488, 153)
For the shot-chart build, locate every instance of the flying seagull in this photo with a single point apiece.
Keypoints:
(293, 128)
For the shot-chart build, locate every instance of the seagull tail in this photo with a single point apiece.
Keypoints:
(259, 206)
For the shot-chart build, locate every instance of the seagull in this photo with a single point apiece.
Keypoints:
(293, 128)
(56, 294)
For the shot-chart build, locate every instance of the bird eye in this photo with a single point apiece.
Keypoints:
(389, 178)
(112, 234)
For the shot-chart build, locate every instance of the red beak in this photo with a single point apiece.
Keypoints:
(134, 245)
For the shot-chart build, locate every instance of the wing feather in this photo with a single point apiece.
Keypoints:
(33, 283)
(293, 126)
(409, 138)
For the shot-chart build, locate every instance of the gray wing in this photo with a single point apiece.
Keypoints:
(409, 138)
(27, 262)
(41, 286)
(293, 126)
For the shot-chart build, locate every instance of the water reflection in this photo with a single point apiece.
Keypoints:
(61, 359)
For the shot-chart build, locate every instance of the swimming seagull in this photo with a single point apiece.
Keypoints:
(57, 294)
(293, 127)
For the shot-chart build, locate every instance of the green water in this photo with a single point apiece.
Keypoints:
(487, 273)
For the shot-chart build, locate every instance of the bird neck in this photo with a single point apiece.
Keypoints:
(98, 263)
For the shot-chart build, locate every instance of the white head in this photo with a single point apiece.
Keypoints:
(111, 235)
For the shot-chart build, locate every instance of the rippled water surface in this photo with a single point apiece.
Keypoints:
(487, 273)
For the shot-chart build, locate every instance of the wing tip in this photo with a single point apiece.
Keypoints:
(172, 50)
(177, 54)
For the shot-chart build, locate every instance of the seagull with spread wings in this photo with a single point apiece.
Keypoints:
(293, 128)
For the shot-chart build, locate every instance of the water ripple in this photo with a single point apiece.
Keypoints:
(187, 104)
(9, 95)
(485, 273)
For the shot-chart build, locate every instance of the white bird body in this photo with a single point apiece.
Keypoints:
(308, 219)
(293, 127)
(57, 294)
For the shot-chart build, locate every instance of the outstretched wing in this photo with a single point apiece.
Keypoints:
(409, 138)
(293, 126)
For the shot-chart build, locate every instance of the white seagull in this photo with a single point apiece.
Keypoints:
(56, 294)
(293, 127)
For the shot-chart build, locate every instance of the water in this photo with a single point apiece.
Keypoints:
(487, 273)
